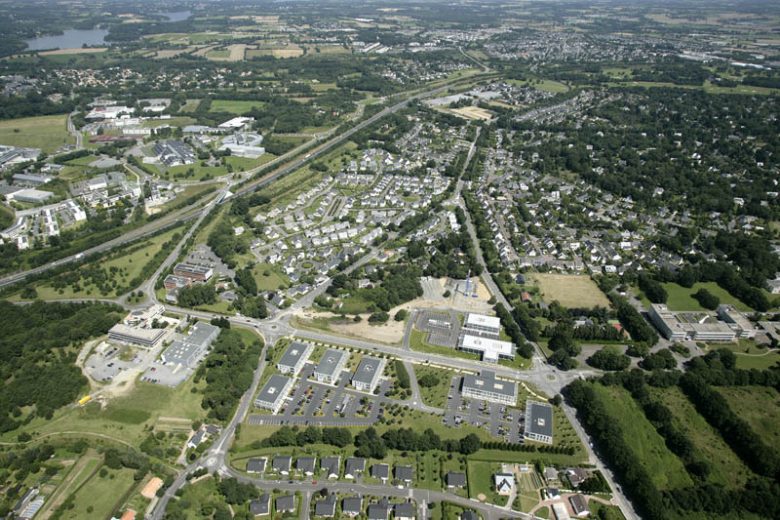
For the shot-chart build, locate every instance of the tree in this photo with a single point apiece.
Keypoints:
(609, 358)
(706, 299)
(401, 315)
(470, 444)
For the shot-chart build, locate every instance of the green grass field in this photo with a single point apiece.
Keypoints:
(664, 468)
(101, 496)
(127, 266)
(6, 216)
(759, 406)
(45, 132)
(234, 106)
(727, 468)
(480, 481)
(435, 395)
(572, 291)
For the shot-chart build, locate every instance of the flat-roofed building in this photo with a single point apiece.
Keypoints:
(122, 333)
(294, 358)
(176, 282)
(743, 327)
(488, 348)
(482, 324)
(538, 422)
(190, 348)
(367, 374)
(200, 273)
(485, 387)
(667, 323)
(274, 392)
(330, 366)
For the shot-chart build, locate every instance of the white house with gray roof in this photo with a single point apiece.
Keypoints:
(273, 393)
(330, 366)
(294, 358)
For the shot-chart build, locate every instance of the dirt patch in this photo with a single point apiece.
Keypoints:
(473, 113)
(150, 489)
(481, 497)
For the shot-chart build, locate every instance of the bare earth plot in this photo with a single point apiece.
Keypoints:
(571, 291)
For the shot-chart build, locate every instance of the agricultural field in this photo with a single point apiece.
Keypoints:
(473, 113)
(664, 468)
(571, 291)
(759, 406)
(48, 133)
(727, 469)
(101, 495)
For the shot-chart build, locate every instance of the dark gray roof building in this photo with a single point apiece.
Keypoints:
(404, 473)
(326, 507)
(294, 358)
(330, 466)
(380, 471)
(306, 465)
(538, 422)
(455, 479)
(285, 504)
(354, 466)
(330, 366)
(282, 464)
(368, 373)
(352, 506)
(261, 506)
(272, 396)
(256, 465)
(486, 387)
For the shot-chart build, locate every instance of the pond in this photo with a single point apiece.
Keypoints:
(69, 39)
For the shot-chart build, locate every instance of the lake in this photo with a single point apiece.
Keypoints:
(69, 39)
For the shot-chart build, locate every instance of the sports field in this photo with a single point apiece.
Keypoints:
(45, 132)
(572, 291)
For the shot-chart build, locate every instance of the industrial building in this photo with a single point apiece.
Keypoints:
(330, 366)
(367, 374)
(188, 350)
(244, 144)
(294, 358)
(538, 422)
(197, 273)
(29, 195)
(174, 153)
(485, 387)
(273, 393)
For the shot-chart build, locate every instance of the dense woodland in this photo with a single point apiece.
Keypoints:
(38, 348)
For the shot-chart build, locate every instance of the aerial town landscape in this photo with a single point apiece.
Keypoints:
(389, 259)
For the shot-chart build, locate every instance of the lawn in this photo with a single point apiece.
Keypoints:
(125, 418)
(480, 482)
(269, 277)
(81, 471)
(101, 496)
(6, 216)
(664, 468)
(681, 299)
(127, 265)
(726, 468)
(759, 406)
(195, 172)
(234, 106)
(435, 395)
(571, 291)
(45, 132)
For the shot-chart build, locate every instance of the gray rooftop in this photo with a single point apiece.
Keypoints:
(539, 418)
(330, 362)
(294, 353)
(487, 382)
(273, 389)
(367, 370)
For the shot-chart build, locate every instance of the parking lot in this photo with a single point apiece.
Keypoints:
(320, 404)
(442, 327)
(503, 422)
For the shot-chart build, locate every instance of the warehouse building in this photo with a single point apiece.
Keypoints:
(188, 350)
(195, 272)
(485, 387)
(367, 374)
(538, 422)
(273, 393)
